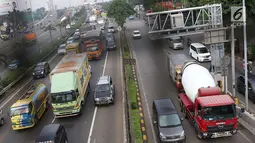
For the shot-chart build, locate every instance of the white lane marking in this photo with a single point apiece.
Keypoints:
(245, 136)
(123, 99)
(53, 120)
(29, 80)
(92, 125)
(3, 72)
(95, 111)
(105, 62)
(144, 94)
(42, 34)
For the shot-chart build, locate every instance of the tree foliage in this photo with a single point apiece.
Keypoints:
(50, 28)
(120, 10)
(226, 5)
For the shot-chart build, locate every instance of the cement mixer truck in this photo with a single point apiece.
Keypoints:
(212, 113)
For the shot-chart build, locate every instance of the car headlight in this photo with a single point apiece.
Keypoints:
(162, 137)
(42, 72)
(97, 99)
(182, 135)
(33, 73)
(109, 98)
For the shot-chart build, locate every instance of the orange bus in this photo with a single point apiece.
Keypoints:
(93, 42)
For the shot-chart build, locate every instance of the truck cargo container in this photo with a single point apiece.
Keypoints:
(70, 85)
(174, 64)
(212, 113)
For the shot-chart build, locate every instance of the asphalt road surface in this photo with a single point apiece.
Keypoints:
(96, 125)
(156, 83)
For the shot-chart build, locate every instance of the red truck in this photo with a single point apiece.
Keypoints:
(212, 113)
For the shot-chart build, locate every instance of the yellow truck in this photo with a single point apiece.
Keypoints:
(70, 85)
(26, 112)
(73, 48)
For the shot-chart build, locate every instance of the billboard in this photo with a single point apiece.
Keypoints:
(5, 6)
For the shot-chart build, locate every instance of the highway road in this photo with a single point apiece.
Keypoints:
(95, 125)
(155, 82)
(43, 39)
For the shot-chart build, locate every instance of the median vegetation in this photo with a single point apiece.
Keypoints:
(43, 51)
(133, 111)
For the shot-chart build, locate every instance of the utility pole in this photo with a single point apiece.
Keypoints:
(233, 61)
(245, 55)
(32, 16)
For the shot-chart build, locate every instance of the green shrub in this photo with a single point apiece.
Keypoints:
(12, 75)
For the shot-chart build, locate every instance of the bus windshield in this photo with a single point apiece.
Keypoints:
(92, 48)
(219, 112)
(63, 97)
(19, 110)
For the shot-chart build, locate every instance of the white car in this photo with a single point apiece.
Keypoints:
(111, 29)
(62, 49)
(199, 52)
(68, 26)
(72, 23)
(77, 30)
(137, 34)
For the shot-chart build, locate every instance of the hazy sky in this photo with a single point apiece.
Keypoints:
(43, 3)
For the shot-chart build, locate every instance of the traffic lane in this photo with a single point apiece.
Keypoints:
(7, 134)
(78, 127)
(108, 125)
(156, 83)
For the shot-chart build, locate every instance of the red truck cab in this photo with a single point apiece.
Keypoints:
(213, 114)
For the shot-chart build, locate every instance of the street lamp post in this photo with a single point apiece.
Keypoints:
(245, 55)
(32, 16)
(14, 5)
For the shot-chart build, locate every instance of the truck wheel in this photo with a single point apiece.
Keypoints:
(198, 134)
(185, 112)
(181, 105)
(2, 122)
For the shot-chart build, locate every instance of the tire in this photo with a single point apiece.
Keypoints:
(198, 134)
(185, 113)
(2, 122)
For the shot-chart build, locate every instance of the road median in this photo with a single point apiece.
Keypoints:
(136, 122)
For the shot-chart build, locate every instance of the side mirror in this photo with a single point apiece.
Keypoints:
(155, 122)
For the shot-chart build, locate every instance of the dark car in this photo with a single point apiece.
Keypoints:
(14, 65)
(70, 40)
(111, 45)
(41, 70)
(105, 91)
(240, 83)
(167, 122)
(76, 35)
(52, 133)
(110, 36)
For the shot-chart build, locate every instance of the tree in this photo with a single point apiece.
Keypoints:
(120, 10)
(60, 25)
(50, 28)
(226, 6)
